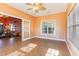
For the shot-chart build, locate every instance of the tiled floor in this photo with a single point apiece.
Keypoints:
(43, 47)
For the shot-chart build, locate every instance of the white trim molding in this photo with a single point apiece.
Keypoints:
(51, 38)
(71, 47)
(28, 38)
(24, 30)
(11, 15)
(45, 38)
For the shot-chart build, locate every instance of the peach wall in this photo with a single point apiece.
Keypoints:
(32, 27)
(60, 24)
(13, 11)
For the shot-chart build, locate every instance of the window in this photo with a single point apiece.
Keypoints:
(73, 26)
(12, 27)
(48, 28)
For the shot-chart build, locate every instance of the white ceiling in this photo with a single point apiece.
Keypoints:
(51, 8)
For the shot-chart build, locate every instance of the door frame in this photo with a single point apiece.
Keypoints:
(22, 19)
(23, 39)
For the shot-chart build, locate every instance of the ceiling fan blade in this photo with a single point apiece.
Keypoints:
(36, 11)
(29, 8)
(34, 4)
(43, 8)
(29, 4)
(40, 3)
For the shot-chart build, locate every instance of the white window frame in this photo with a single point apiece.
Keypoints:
(12, 27)
(54, 21)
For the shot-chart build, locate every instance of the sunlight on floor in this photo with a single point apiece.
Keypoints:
(16, 53)
(26, 49)
(52, 52)
(29, 47)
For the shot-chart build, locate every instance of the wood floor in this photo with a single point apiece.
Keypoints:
(10, 45)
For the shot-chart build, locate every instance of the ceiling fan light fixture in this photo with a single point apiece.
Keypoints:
(37, 7)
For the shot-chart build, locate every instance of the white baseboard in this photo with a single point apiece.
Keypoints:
(32, 37)
(72, 47)
(50, 38)
(69, 49)
(27, 38)
(45, 38)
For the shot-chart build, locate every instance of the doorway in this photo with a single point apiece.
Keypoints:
(25, 30)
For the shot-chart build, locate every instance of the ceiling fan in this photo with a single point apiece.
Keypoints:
(37, 7)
